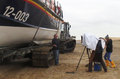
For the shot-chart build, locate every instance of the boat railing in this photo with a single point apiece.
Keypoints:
(54, 6)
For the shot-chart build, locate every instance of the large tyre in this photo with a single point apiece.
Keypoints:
(68, 46)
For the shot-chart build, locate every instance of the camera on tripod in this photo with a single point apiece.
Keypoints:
(97, 46)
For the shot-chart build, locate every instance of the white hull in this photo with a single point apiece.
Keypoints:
(19, 35)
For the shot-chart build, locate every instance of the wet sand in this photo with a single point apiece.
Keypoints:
(68, 63)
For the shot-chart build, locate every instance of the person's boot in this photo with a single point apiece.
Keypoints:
(113, 64)
(107, 63)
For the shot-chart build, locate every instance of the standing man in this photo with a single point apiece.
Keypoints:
(109, 49)
(55, 44)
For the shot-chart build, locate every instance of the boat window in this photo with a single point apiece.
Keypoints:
(57, 25)
(62, 27)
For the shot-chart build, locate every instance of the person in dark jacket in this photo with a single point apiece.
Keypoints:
(55, 44)
(109, 50)
(96, 56)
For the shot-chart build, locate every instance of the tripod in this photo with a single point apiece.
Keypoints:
(88, 50)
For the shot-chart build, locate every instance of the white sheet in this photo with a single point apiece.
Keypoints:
(90, 41)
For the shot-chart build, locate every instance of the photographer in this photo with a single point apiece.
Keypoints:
(96, 56)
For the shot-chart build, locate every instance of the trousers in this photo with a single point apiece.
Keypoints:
(107, 56)
(56, 56)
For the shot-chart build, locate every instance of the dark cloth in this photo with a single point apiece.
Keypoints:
(55, 42)
(109, 46)
(99, 48)
(98, 52)
(97, 57)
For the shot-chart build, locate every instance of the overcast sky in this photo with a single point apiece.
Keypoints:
(99, 17)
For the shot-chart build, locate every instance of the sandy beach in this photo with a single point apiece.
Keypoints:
(68, 63)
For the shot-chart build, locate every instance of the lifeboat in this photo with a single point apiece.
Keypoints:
(24, 21)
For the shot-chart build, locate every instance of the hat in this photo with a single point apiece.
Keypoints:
(107, 36)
